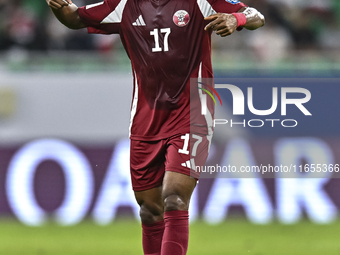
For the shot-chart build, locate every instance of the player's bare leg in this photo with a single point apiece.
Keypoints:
(176, 191)
(176, 194)
(173, 199)
(151, 213)
(151, 205)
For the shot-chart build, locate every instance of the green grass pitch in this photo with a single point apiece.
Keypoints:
(123, 237)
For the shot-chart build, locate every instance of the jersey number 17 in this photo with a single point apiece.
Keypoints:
(155, 34)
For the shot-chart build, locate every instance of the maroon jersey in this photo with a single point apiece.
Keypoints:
(167, 45)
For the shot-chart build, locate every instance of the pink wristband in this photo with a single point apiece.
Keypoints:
(241, 18)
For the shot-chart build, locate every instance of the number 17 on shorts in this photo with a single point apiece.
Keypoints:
(194, 152)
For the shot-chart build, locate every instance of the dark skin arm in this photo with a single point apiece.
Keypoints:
(66, 12)
(225, 24)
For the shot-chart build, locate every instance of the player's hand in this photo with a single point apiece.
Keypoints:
(224, 24)
(58, 4)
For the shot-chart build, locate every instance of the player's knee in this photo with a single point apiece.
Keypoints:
(150, 213)
(174, 203)
(145, 215)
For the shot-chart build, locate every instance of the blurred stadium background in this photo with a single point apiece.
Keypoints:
(64, 116)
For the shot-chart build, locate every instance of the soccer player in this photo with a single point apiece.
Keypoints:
(168, 43)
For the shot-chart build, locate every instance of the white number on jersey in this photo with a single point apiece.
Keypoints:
(155, 34)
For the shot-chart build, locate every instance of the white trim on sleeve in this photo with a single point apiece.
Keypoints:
(205, 8)
(93, 5)
(116, 15)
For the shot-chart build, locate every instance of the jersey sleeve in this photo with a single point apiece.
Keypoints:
(103, 17)
(226, 6)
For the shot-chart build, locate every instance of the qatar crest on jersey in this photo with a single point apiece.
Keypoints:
(181, 18)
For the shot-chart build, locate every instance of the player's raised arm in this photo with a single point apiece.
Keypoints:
(225, 24)
(66, 12)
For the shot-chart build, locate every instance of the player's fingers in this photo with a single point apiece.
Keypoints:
(212, 24)
(54, 5)
(64, 2)
(222, 29)
(226, 31)
(225, 34)
(61, 2)
(211, 17)
(220, 26)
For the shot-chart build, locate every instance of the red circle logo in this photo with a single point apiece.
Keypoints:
(181, 18)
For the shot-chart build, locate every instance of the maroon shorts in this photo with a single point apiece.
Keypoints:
(150, 159)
